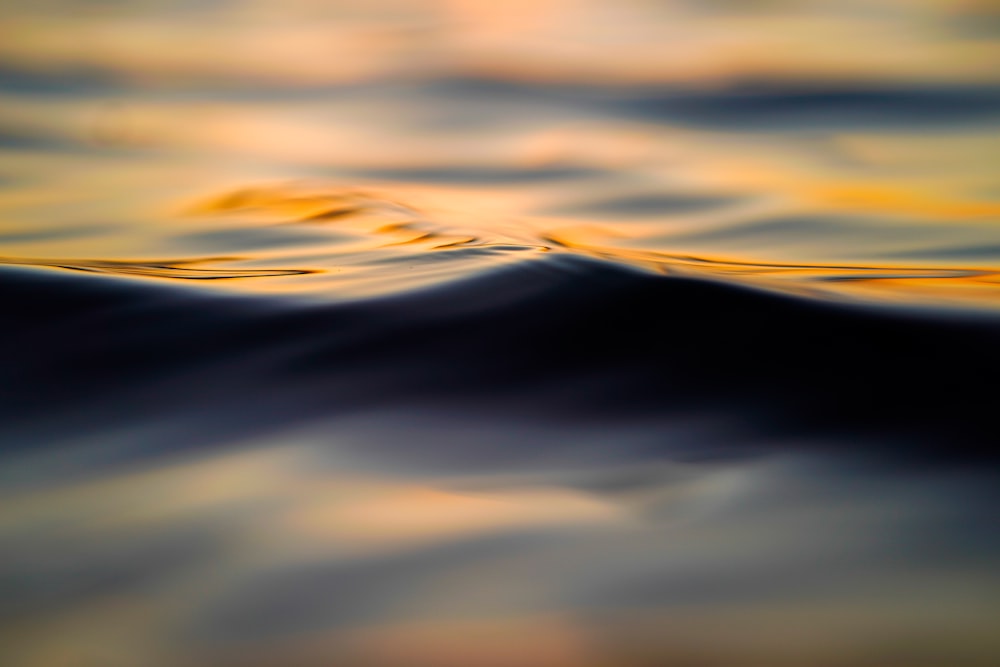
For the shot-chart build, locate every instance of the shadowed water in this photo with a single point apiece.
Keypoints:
(567, 333)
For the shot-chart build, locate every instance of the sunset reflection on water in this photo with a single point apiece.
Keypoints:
(568, 333)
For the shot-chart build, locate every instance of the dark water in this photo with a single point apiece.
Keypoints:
(565, 333)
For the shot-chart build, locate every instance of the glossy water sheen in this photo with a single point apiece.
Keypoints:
(568, 333)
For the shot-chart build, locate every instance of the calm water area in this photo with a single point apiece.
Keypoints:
(457, 333)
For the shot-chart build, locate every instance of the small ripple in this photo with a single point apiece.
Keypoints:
(371, 215)
(934, 284)
(186, 269)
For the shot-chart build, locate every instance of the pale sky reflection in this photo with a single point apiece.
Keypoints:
(570, 571)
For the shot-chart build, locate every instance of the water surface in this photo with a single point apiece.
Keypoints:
(556, 333)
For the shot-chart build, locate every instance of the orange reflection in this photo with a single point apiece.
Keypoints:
(177, 269)
(903, 284)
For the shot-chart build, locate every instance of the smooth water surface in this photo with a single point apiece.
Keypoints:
(563, 333)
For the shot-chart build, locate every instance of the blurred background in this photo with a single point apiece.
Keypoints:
(749, 136)
(340, 333)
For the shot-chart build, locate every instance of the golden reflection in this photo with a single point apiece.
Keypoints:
(370, 214)
(283, 203)
(314, 44)
(900, 200)
(177, 269)
(970, 287)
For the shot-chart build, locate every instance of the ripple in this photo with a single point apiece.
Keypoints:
(972, 286)
(393, 246)
(375, 216)
(184, 269)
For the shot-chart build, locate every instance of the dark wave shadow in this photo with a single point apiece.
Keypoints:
(754, 105)
(801, 107)
(643, 205)
(565, 341)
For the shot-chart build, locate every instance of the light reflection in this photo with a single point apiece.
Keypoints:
(178, 269)
(838, 151)
(314, 44)
(268, 554)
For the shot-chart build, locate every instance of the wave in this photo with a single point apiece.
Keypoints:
(556, 334)
(566, 340)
